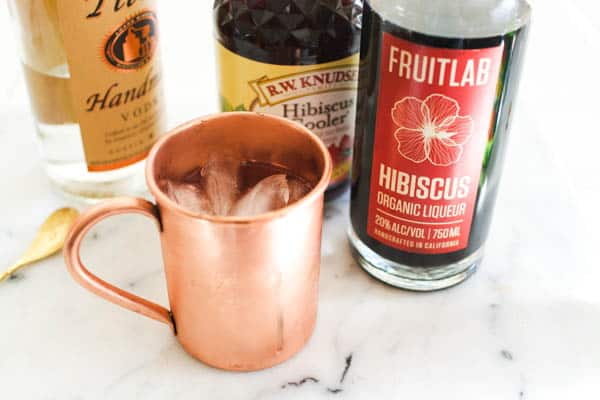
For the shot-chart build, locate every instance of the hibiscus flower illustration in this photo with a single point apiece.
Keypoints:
(431, 129)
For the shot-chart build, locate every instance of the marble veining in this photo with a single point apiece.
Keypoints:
(316, 381)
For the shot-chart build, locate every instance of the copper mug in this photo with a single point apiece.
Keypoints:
(242, 291)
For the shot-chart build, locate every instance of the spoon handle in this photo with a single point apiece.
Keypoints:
(11, 270)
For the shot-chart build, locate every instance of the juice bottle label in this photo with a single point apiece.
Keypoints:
(115, 78)
(435, 114)
(321, 97)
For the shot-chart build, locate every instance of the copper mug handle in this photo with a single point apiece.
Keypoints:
(98, 286)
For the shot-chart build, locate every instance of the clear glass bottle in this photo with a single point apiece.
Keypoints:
(437, 86)
(93, 74)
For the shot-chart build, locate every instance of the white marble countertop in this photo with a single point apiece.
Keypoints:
(527, 326)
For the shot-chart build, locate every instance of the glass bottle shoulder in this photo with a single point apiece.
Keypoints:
(455, 18)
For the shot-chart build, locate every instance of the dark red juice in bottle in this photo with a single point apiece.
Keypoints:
(297, 59)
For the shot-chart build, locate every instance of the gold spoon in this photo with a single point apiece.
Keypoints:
(49, 240)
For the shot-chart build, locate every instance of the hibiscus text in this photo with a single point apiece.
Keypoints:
(319, 116)
(423, 187)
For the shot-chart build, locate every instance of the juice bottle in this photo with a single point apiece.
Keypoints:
(297, 59)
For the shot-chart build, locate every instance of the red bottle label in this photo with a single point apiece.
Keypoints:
(435, 114)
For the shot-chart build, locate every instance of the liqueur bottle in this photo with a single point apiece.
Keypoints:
(297, 59)
(92, 69)
(437, 86)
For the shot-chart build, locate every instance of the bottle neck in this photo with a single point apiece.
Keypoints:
(455, 18)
